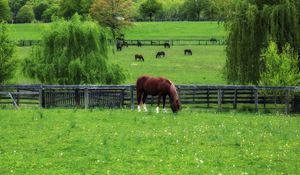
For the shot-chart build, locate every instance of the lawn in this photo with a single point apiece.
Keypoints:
(61, 141)
(175, 30)
(139, 30)
(203, 67)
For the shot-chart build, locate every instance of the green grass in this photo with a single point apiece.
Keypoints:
(175, 30)
(204, 67)
(27, 31)
(127, 142)
(140, 30)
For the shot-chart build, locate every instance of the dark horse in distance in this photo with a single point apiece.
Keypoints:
(160, 87)
(138, 57)
(167, 45)
(188, 52)
(160, 54)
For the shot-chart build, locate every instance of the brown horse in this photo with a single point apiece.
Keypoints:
(162, 87)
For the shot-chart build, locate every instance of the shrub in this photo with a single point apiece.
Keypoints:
(280, 69)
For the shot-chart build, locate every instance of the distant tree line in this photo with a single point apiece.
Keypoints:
(26, 11)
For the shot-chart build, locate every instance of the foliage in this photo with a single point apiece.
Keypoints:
(51, 11)
(114, 14)
(25, 14)
(281, 69)
(96, 141)
(69, 7)
(249, 27)
(15, 6)
(150, 8)
(4, 11)
(72, 52)
(7, 49)
(39, 9)
(192, 9)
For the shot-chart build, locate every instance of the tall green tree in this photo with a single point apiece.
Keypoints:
(15, 6)
(73, 52)
(39, 9)
(114, 14)
(250, 27)
(5, 14)
(150, 8)
(25, 14)
(69, 7)
(7, 49)
(192, 9)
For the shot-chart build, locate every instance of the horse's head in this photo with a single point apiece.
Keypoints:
(175, 102)
(175, 105)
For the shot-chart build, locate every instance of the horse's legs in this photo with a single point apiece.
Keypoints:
(164, 103)
(139, 98)
(158, 102)
(144, 102)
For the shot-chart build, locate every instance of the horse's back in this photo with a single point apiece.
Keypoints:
(153, 85)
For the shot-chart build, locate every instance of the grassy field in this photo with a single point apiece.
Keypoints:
(175, 30)
(204, 67)
(27, 31)
(127, 142)
(140, 30)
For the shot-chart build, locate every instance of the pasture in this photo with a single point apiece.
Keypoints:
(61, 141)
(203, 67)
(139, 30)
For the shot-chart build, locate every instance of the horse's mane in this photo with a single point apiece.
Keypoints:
(172, 89)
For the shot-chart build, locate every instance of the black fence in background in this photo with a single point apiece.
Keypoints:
(124, 96)
(179, 42)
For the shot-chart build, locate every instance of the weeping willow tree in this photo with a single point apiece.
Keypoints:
(73, 52)
(252, 25)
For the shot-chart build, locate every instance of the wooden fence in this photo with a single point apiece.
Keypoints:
(182, 42)
(219, 97)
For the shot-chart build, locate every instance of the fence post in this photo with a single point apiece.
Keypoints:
(207, 97)
(86, 98)
(41, 98)
(132, 97)
(287, 103)
(235, 99)
(219, 99)
(256, 100)
(18, 97)
(122, 99)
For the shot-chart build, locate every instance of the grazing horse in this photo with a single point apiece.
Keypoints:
(188, 52)
(167, 45)
(160, 54)
(139, 43)
(213, 40)
(162, 87)
(138, 57)
(119, 46)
